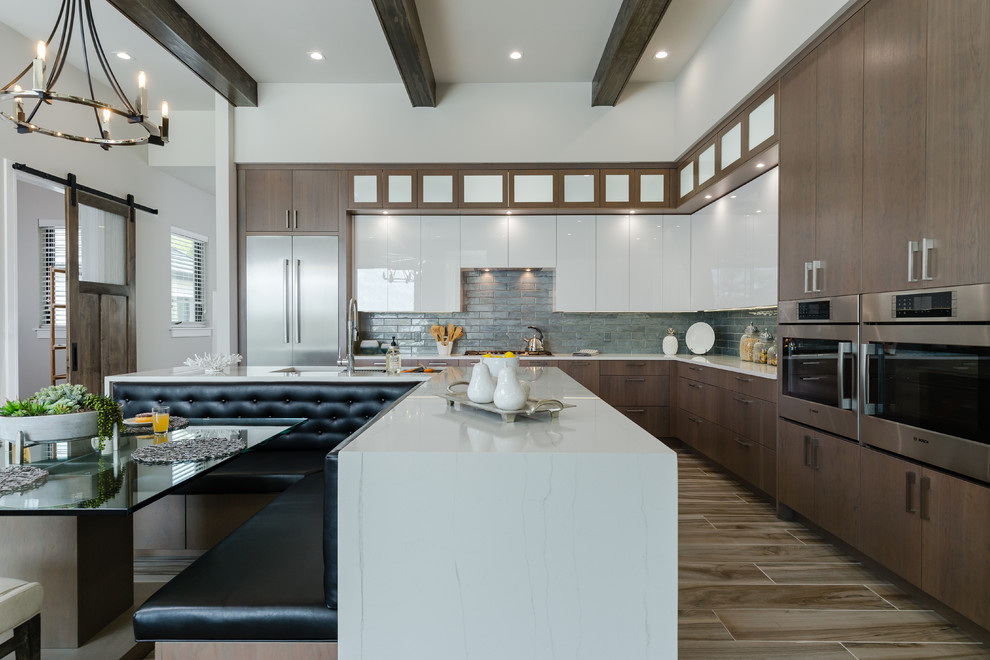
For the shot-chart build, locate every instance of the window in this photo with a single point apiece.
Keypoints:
(51, 238)
(188, 277)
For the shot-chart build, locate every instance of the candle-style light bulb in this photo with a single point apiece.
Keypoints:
(142, 104)
(106, 124)
(19, 104)
(38, 68)
(164, 129)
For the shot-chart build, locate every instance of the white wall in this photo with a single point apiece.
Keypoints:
(120, 171)
(751, 40)
(472, 123)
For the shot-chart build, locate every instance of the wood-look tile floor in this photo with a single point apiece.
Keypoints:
(753, 586)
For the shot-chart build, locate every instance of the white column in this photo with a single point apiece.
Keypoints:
(225, 251)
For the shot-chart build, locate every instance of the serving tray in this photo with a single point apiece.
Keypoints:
(531, 407)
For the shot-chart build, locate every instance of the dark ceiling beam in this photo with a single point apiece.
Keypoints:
(631, 33)
(400, 22)
(172, 27)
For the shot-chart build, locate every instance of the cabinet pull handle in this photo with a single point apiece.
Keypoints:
(909, 478)
(926, 488)
(807, 270)
(378, 364)
(436, 364)
(739, 442)
(295, 219)
(815, 267)
(636, 364)
(813, 411)
(582, 364)
(912, 249)
(635, 410)
(745, 380)
(694, 368)
(807, 445)
(694, 419)
(75, 356)
(927, 245)
(742, 400)
(695, 386)
(635, 380)
(287, 212)
(816, 458)
(812, 377)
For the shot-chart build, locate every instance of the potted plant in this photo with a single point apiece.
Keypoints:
(58, 412)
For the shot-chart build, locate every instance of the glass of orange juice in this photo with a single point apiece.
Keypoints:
(159, 419)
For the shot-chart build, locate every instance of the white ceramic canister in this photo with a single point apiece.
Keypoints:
(670, 343)
(481, 389)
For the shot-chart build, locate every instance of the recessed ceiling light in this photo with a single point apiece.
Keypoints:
(759, 165)
(708, 196)
(122, 54)
(661, 54)
(515, 55)
(732, 196)
(317, 55)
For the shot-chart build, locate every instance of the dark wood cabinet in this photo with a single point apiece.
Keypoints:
(821, 158)
(818, 476)
(285, 201)
(894, 116)
(640, 390)
(586, 372)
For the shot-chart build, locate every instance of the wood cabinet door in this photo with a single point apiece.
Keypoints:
(958, 140)
(584, 372)
(653, 419)
(889, 526)
(894, 112)
(798, 176)
(741, 454)
(315, 200)
(839, 210)
(635, 390)
(836, 468)
(698, 398)
(268, 200)
(956, 543)
(795, 477)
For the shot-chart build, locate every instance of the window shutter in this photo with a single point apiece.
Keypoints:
(188, 279)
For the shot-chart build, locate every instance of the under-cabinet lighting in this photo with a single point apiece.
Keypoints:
(515, 55)
(759, 165)
(317, 56)
(708, 196)
(661, 54)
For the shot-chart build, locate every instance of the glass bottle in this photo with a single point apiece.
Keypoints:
(749, 337)
(761, 346)
(772, 355)
(393, 361)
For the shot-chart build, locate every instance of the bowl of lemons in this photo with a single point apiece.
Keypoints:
(498, 362)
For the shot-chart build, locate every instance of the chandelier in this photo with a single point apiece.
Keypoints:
(26, 103)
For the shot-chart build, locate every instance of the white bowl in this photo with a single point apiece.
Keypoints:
(497, 363)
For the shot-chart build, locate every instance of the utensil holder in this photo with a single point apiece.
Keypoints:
(444, 350)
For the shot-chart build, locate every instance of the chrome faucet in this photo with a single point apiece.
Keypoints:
(352, 333)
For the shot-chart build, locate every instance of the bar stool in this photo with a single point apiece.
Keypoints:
(20, 612)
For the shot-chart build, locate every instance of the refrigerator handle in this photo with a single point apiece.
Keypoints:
(298, 286)
(285, 301)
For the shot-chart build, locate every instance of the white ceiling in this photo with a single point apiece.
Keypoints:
(468, 41)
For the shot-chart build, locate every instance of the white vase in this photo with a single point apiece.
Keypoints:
(481, 389)
(509, 394)
(670, 343)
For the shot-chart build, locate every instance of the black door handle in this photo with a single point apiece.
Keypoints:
(75, 356)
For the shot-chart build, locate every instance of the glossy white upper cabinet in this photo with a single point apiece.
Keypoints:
(734, 248)
(532, 241)
(403, 263)
(574, 279)
(371, 262)
(676, 263)
(440, 258)
(484, 241)
(612, 258)
(646, 263)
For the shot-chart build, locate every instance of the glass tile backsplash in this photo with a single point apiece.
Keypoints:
(499, 305)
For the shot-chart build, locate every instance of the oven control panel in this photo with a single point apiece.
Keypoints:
(935, 304)
(815, 310)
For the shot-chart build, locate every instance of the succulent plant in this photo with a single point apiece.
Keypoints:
(62, 399)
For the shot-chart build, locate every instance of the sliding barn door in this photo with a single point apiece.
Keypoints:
(100, 282)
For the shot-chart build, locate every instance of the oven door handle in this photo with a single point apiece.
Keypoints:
(845, 348)
(865, 351)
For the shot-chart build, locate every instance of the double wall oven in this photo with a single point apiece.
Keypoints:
(925, 373)
(817, 358)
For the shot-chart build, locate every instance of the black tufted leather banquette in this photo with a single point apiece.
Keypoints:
(333, 412)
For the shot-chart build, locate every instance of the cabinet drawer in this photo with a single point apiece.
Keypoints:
(635, 390)
(761, 388)
(585, 372)
(433, 363)
(741, 455)
(537, 363)
(695, 431)
(695, 372)
(698, 398)
(655, 419)
(748, 416)
(635, 367)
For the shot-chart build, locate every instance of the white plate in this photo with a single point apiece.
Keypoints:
(700, 338)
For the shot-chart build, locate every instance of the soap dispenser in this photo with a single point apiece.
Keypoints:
(393, 361)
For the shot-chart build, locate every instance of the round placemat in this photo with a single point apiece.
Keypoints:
(174, 423)
(15, 478)
(188, 450)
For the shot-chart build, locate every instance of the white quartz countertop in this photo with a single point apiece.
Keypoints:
(425, 423)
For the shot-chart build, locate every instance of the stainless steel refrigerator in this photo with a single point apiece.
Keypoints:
(292, 300)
